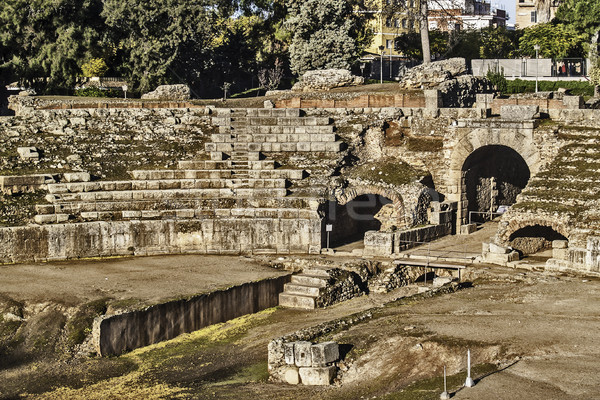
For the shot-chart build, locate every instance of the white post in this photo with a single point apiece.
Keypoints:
(445, 395)
(469, 382)
(537, 49)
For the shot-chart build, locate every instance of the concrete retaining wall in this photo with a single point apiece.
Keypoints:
(110, 238)
(117, 334)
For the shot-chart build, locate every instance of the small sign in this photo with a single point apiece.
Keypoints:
(124, 87)
(328, 227)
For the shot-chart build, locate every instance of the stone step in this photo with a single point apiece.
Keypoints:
(181, 174)
(169, 184)
(241, 121)
(185, 213)
(271, 132)
(317, 270)
(274, 112)
(311, 291)
(171, 194)
(227, 164)
(244, 156)
(290, 206)
(309, 280)
(296, 301)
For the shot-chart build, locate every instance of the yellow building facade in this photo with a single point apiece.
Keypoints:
(390, 18)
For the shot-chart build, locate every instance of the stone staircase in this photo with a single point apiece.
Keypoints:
(305, 288)
(237, 181)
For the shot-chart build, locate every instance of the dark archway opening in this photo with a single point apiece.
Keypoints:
(350, 221)
(534, 239)
(493, 176)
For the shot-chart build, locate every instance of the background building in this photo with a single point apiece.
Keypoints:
(531, 12)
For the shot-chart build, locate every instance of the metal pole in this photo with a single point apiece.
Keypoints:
(469, 382)
(537, 49)
(327, 240)
(381, 69)
(390, 63)
(445, 395)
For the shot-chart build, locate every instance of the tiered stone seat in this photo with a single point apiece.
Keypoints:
(237, 182)
(569, 187)
(273, 130)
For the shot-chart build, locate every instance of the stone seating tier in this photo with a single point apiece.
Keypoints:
(73, 208)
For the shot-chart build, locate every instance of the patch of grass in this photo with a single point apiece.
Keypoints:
(422, 144)
(80, 325)
(258, 372)
(392, 172)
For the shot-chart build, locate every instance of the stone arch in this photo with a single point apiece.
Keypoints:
(343, 197)
(518, 139)
(515, 224)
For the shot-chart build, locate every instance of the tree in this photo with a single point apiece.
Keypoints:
(556, 41)
(163, 42)
(325, 34)
(94, 67)
(45, 41)
(583, 16)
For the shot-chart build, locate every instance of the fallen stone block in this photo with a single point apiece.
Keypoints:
(288, 351)
(468, 229)
(28, 153)
(325, 353)
(317, 376)
(77, 176)
(291, 376)
(303, 354)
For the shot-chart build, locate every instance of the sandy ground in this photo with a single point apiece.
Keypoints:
(539, 332)
(146, 278)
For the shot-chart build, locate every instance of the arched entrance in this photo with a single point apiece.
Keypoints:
(492, 176)
(350, 221)
(534, 239)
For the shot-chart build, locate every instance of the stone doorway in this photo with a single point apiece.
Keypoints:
(492, 176)
(535, 239)
(351, 220)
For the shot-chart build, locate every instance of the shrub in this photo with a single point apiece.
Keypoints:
(496, 78)
(97, 92)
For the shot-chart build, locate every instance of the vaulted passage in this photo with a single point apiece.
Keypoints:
(493, 176)
(533, 239)
(351, 220)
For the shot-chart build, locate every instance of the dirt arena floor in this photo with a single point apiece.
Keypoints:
(533, 336)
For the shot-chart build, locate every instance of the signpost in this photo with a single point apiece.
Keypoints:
(124, 87)
(328, 228)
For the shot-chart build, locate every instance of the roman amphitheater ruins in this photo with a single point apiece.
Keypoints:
(334, 173)
(268, 180)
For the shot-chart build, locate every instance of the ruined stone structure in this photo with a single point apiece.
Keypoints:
(267, 180)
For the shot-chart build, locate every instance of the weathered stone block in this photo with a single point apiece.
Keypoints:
(468, 229)
(325, 353)
(494, 248)
(76, 176)
(560, 244)
(291, 376)
(519, 113)
(317, 376)
(303, 354)
(28, 153)
(288, 352)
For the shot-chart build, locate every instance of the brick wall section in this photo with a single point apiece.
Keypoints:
(411, 100)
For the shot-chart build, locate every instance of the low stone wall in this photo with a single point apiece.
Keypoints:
(389, 243)
(363, 101)
(153, 237)
(117, 334)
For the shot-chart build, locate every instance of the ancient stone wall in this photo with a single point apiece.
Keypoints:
(116, 334)
(225, 235)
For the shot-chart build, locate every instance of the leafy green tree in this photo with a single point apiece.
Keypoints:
(556, 41)
(43, 42)
(163, 42)
(325, 34)
(499, 43)
(94, 67)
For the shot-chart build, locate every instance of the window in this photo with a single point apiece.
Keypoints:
(412, 3)
(534, 16)
(389, 44)
(397, 23)
(388, 22)
(404, 24)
